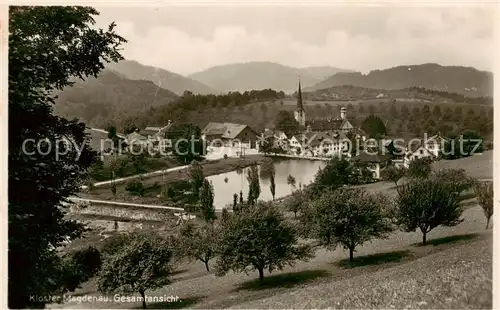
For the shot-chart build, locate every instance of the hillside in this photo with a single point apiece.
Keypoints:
(109, 97)
(163, 78)
(321, 73)
(348, 92)
(261, 75)
(462, 80)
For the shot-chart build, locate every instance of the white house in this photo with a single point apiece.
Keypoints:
(319, 144)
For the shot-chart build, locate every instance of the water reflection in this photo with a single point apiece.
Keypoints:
(302, 170)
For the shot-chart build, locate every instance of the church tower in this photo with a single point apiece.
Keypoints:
(300, 114)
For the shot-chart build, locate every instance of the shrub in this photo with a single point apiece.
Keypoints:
(135, 187)
(88, 260)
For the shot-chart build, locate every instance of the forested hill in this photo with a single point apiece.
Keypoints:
(110, 98)
(454, 79)
(163, 78)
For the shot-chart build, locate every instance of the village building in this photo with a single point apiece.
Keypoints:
(320, 144)
(374, 162)
(280, 138)
(230, 135)
(425, 148)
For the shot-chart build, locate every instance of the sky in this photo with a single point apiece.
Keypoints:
(188, 39)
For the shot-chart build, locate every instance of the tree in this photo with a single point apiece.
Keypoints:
(336, 173)
(200, 240)
(286, 122)
(138, 162)
(235, 201)
(112, 134)
(457, 179)
(253, 184)
(374, 126)
(290, 180)
(241, 197)
(207, 201)
(484, 193)
(187, 142)
(197, 177)
(272, 183)
(426, 204)
(135, 263)
(295, 202)
(419, 168)
(393, 173)
(258, 239)
(58, 43)
(349, 217)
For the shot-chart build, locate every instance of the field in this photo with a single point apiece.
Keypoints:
(452, 271)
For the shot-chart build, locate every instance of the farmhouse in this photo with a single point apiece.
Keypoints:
(230, 135)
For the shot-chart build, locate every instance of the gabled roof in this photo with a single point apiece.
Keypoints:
(437, 138)
(233, 130)
(214, 128)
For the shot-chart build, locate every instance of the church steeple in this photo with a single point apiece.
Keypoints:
(300, 114)
(300, 105)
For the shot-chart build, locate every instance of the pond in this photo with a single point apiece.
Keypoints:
(226, 184)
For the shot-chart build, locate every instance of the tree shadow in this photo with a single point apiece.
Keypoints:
(180, 304)
(286, 280)
(178, 271)
(449, 239)
(374, 259)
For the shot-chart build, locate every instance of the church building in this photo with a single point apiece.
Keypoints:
(326, 124)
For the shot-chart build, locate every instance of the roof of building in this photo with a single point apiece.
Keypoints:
(135, 136)
(372, 157)
(233, 130)
(214, 128)
(161, 133)
(327, 124)
(148, 132)
(225, 130)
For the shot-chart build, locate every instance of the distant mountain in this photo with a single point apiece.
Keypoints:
(322, 73)
(454, 79)
(261, 75)
(168, 80)
(110, 98)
